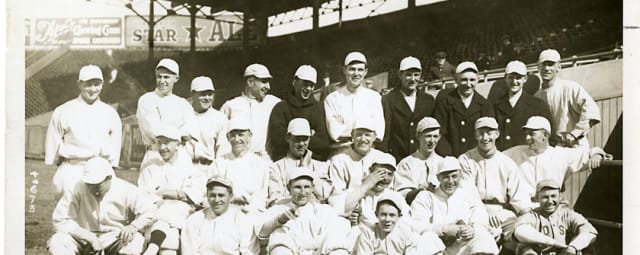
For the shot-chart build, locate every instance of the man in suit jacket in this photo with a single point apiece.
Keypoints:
(403, 108)
(514, 109)
(457, 110)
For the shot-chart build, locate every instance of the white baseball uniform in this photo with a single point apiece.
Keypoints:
(417, 171)
(156, 112)
(249, 174)
(210, 141)
(342, 108)
(348, 168)
(279, 178)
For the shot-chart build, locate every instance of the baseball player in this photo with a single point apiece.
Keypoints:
(254, 106)
(348, 168)
(178, 186)
(160, 108)
(514, 109)
(538, 160)
(455, 214)
(298, 138)
(301, 225)
(496, 178)
(210, 141)
(403, 108)
(103, 214)
(80, 129)
(552, 228)
(392, 233)
(458, 108)
(300, 103)
(418, 170)
(219, 229)
(573, 111)
(248, 171)
(351, 102)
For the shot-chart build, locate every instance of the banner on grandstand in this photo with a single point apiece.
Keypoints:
(174, 32)
(75, 32)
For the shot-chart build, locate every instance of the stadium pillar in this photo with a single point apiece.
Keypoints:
(315, 31)
(192, 32)
(152, 24)
(411, 4)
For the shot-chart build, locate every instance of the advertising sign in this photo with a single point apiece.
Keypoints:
(80, 32)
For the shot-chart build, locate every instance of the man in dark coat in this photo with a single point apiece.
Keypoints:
(457, 110)
(403, 108)
(514, 109)
(299, 104)
(441, 69)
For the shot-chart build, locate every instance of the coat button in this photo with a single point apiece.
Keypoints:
(507, 137)
(411, 141)
(507, 120)
(462, 123)
(463, 140)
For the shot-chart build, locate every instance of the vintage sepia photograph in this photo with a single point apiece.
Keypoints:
(317, 127)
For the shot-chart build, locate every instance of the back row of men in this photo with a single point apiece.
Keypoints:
(233, 147)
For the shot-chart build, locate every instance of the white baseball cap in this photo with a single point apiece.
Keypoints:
(364, 123)
(489, 122)
(299, 127)
(258, 70)
(298, 172)
(427, 123)
(537, 122)
(169, 64)
(169, 132)
(547, 183)
(395, 198)
(202, 83)
(409, 63)
(549, 55)
(516, 67)
(220, 180)
(448, 164)
(96, 170)
(385, 160)
(466, 65)
(307, 73)
(90, 72)
(238, 124)
(354, 56)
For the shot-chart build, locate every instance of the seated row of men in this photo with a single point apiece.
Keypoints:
(425, 204)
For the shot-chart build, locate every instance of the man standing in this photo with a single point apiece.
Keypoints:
(160, 108)
(219, 229)
(496, 178)
(418, 170)
(103, 214)
(514, 109)
(80, 129)
(298, 136)
(353, 101)
(299, 104)
(210, 141)
(442, 68)
(455, 214)
(254, 106)
(457, 109)
(573, 111)
(403, 108)
(548, 228)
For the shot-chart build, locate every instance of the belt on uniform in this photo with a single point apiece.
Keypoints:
(74, 160)
(202, 161)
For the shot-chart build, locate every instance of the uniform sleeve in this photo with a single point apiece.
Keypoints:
(479, 216)
(576, 157)
(388, 116)
(469, 171)
(53, 140)
(248, 241)
(190, 236)
(583, 232)
(518, 197)
(143, 208)
(526, 219)
(226, 109)
(339, 174)
(421, 214)
(403, 177)
(189, 122)
(195, 185)
(378, 116)
(276, 132)
(144, 181)
(116, 140)
(364, 243)
(148, 117)
(588, 109)
(335, 123)
(277, 187)
(258, 200)
(62, 220)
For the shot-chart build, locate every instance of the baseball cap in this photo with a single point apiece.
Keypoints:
(537, 122)
(385, 160)
(258, 70)
(169, 64)
(298, 172)
(409, 63)
(221, 180)
(202, 83)
(392, 197)
(466, 65)
(307, 73)
(448, 164)
(441, 54)
(238, 124)
(516, 67)
(96, 170)
(489, 122)
(547, 183)
(299, 127)
(354, 57)
(364, 123)
(549, 55)
(427, 123)
(169, 132)
(90, 72)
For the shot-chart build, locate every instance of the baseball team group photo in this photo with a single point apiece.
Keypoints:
(325, 127)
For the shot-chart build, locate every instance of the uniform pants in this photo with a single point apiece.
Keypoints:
(68, 174)
(65, 244)
(333, 241)
(482, 242)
